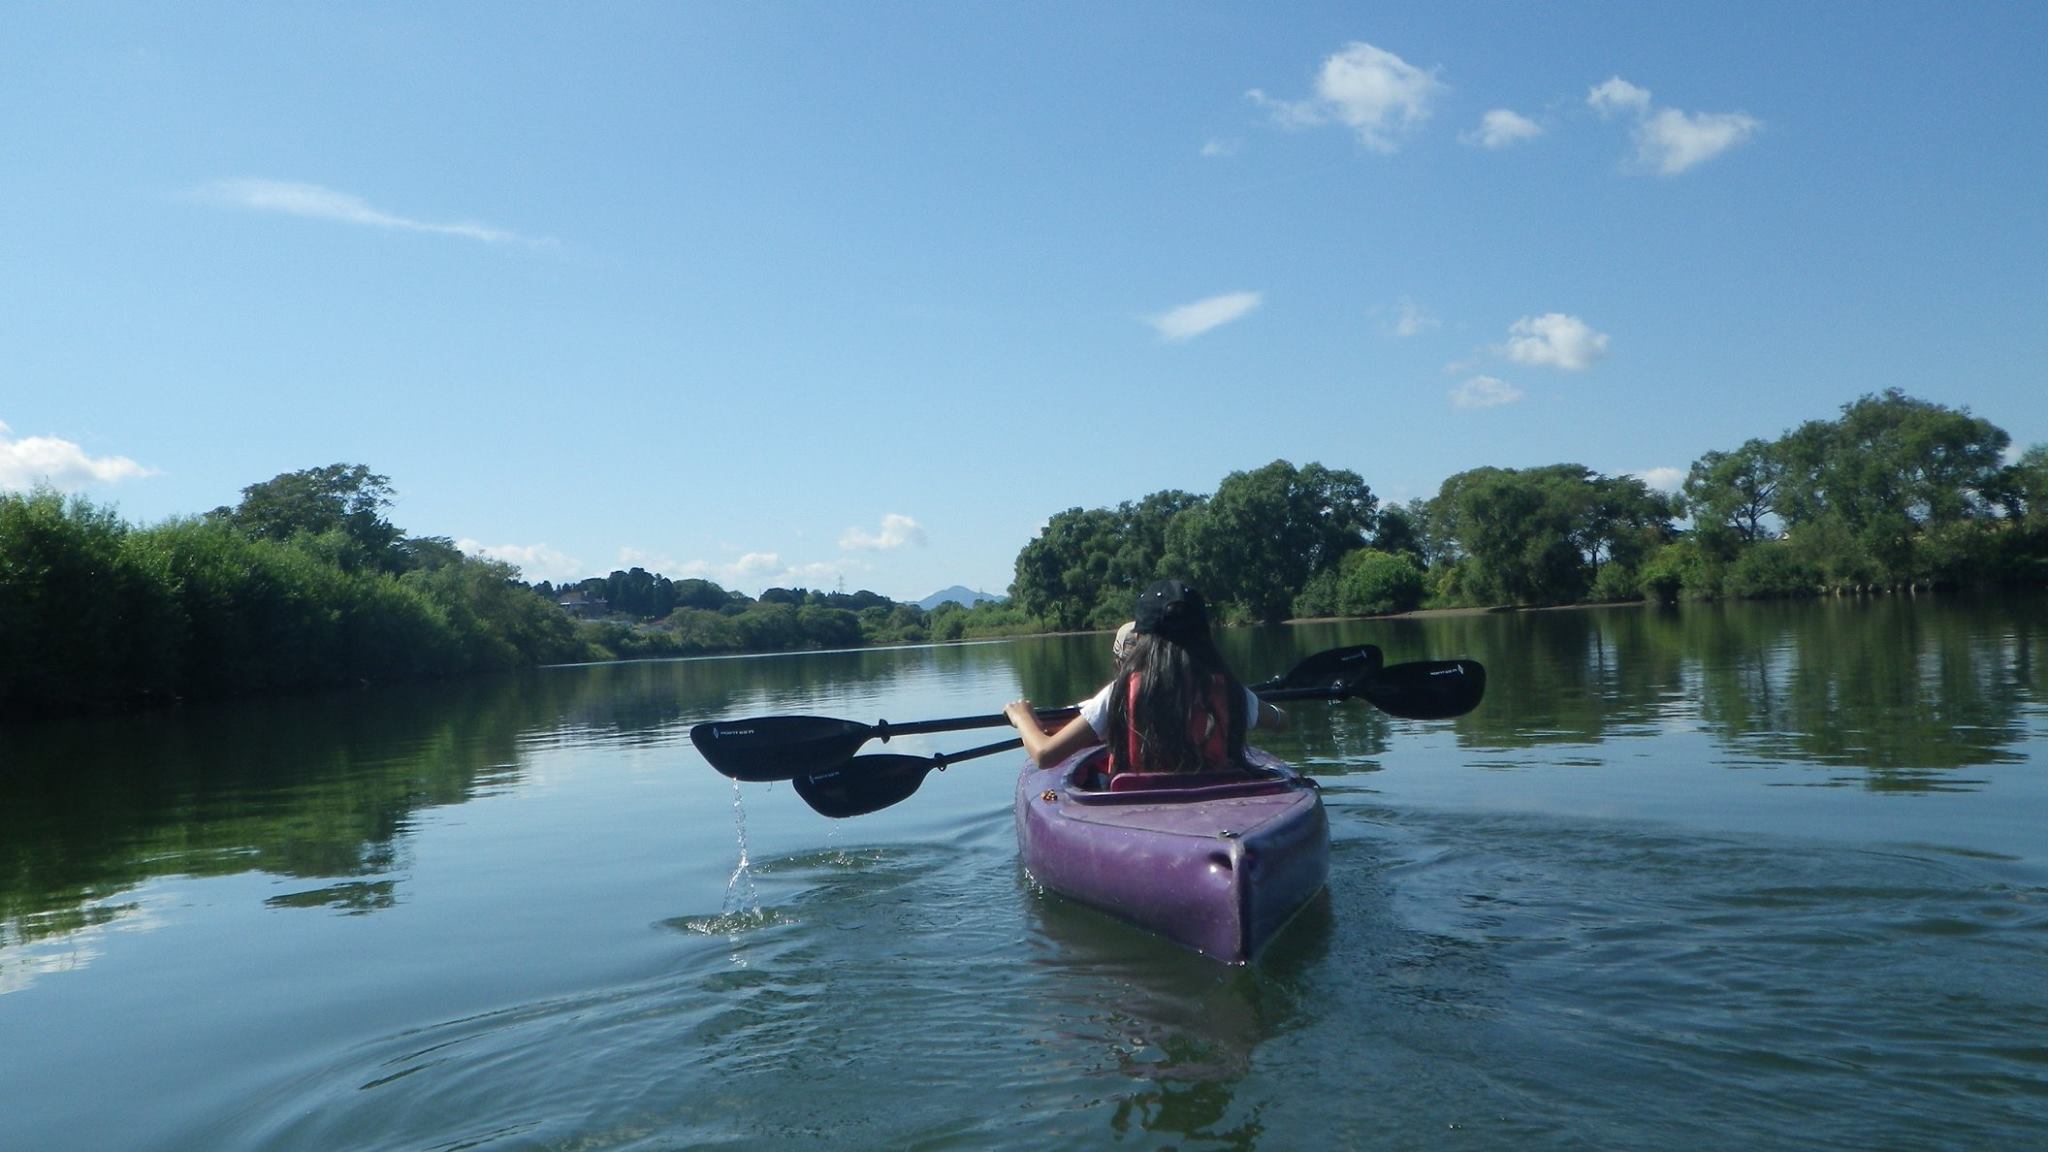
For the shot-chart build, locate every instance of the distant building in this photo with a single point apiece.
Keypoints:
(582, 605)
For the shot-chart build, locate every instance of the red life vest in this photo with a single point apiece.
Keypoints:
(1208, 729)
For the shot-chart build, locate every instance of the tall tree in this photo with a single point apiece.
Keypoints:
(1862, 490)
(1736, 492)
(1087, 565)
(1265, 533)
(1544, 535)
(344, 499)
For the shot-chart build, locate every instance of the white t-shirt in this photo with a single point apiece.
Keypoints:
(1095, 710)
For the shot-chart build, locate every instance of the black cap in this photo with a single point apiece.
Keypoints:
(1171, 608)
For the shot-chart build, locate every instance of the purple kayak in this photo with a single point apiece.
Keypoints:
(1218, 864)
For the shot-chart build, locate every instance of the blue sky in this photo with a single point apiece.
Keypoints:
(861, 294)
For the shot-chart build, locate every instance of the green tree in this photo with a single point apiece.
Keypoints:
(1735, 492)
(1266, 533)
(1859, 492)
(2027, 482)
(1547, 535)
(83, 619)
(1622, 521)
(1512, 531)
(1374, 583)
(695, 593)
(1086, 567)
(1401, 531)
(345, 498)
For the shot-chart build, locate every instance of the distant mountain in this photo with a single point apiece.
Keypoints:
(957, 595)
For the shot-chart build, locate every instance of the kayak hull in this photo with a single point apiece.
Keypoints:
(1219, 868)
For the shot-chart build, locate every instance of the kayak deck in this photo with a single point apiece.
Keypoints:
(1219, 868)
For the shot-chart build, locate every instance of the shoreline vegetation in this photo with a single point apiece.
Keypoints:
(304, 585)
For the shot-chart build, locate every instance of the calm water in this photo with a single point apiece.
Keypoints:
(1755, 877)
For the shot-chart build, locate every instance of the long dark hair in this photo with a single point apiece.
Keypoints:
(1175, 681)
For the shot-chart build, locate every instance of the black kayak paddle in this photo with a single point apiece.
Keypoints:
(785, 747)
(1424, 690)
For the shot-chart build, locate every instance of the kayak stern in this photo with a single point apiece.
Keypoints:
(1218, 868)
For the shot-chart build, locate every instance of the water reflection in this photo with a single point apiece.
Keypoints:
(1894, 687)
(1181, 1030)
(1892, 694)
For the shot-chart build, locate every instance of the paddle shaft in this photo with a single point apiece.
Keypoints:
(785, 747)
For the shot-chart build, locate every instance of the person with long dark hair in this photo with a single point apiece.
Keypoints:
(1173, 705)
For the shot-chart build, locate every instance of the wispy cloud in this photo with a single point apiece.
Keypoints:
(1191, 320)
(1672, 141)
(1669, 141)
(1556, 340)
(61, 464)
(749, 571)
(1484, 392)
(1613, 96)
(1220, 147)
(314, 202)
(898, 531)
(754, 571)
(1411, 320)
(1666, 479)
(1369, 90)
(1501, 128)
(536, 562)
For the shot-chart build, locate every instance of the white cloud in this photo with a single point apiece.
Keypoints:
(754, 571)
(898, 531)
(1411, 320)
(1191, 320)
(60, 464)
(1501, 127)
(1220, 147)
(317, 203)
(1557, 340)
(1672, 141)
(1373, 92)
(1484, 392)
(1669, 141)
(1663, 479)
(660, 564)
(1616, 95)
(536, 562)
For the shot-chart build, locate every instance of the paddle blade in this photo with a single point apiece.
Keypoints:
(1425, 689)
(1331, 668)
(778, 747)
(863, 784)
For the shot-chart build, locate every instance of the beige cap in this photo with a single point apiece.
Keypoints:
(1123, 639)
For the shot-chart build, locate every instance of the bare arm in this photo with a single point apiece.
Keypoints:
(1049, 747)
(1271, 719)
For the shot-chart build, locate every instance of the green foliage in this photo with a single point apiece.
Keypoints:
(1259, 540)
(1736, 492)
(2025, 485)
(69, 597)
(1616, 583)
(695, 631)
(1402, 529)
(1367, 582)
(347, 500)
(1679, 569)
(1860, 492)
(1375, 583)
(1086, 568)
(1544, 535)
(703, 594)
(1773, 569)
(1319, 597)
(94, 613)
